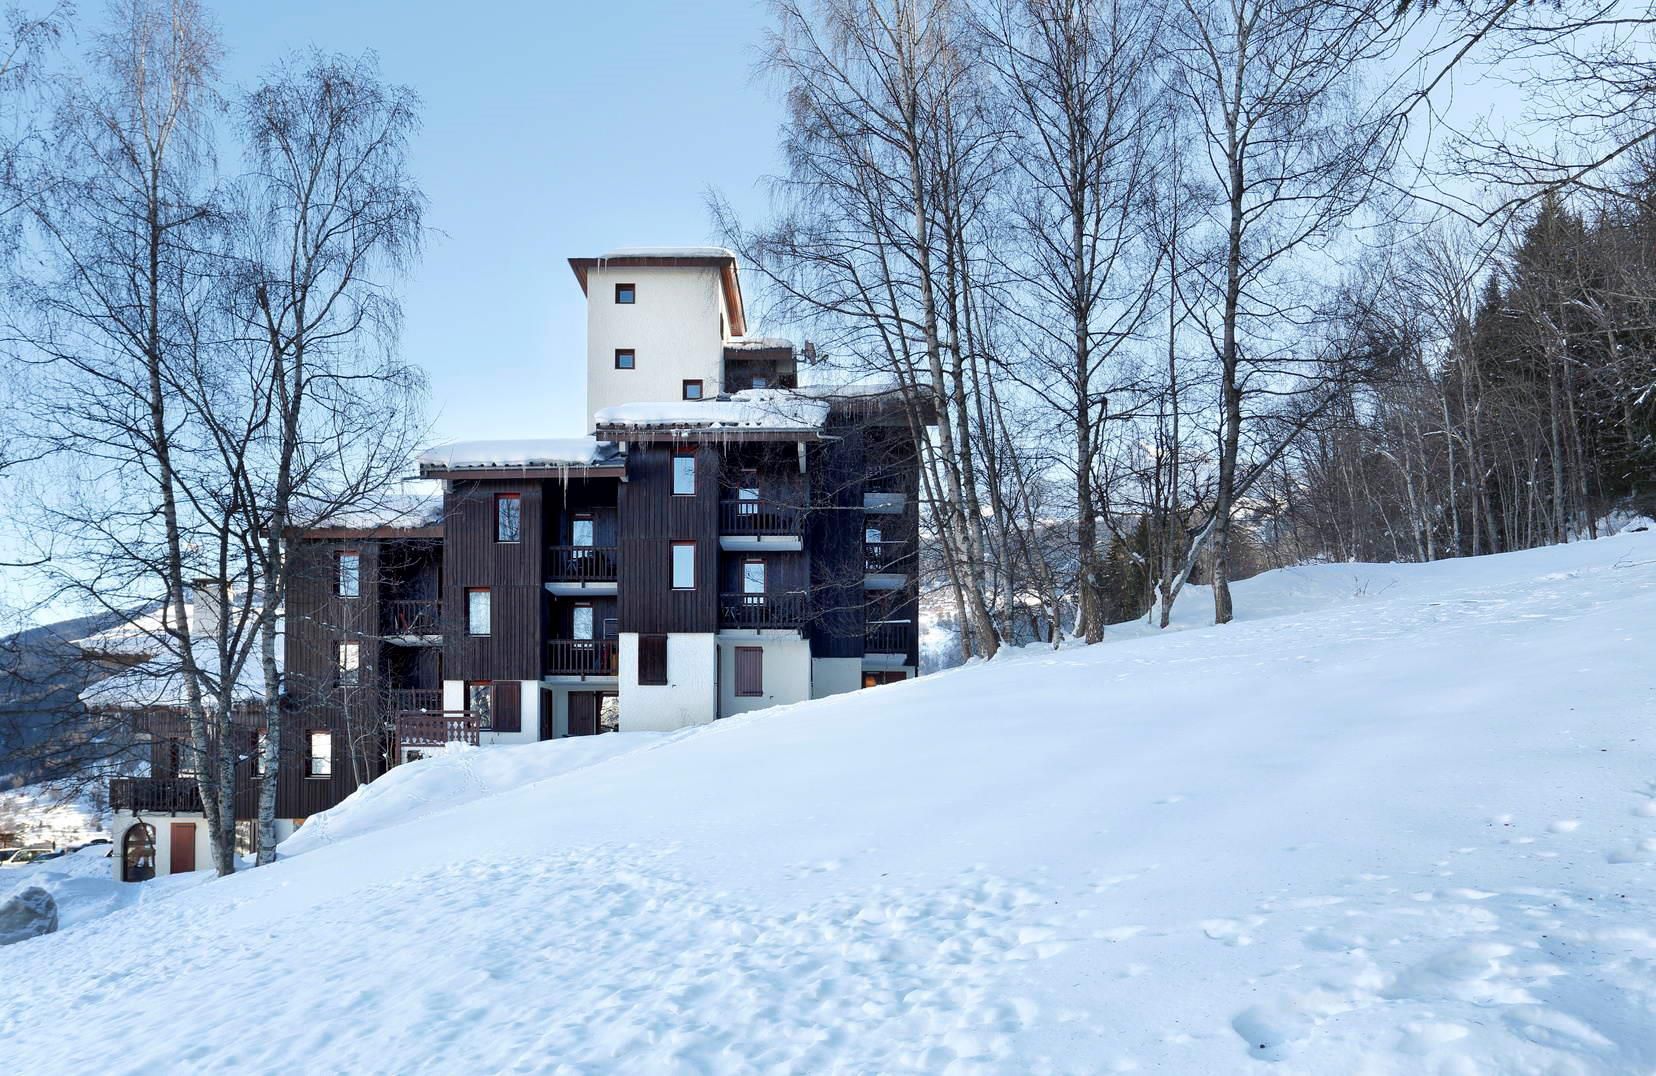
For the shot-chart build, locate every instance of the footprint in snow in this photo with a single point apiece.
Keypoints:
(1565, 825)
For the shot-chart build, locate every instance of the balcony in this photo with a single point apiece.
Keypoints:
(418, 733)
(760, 611)
(580, 569)
(400, 700)
(583, 658)
(155, 795)
(417, 621)
(750, 525)
(886, 639)
(886, 564)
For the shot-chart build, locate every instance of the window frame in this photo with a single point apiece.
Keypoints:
(630, 290)
(486, 722)
(488, 609)
(672, 573)
(592, 530)
(499, 500)
(355, 556)
(592, 622)
(631, 356)
(764, 576)
(736, 672)
(684, 453)
(312, 758)
(341, 648)
(700, 385)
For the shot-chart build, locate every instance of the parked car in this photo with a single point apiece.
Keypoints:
(22, 857)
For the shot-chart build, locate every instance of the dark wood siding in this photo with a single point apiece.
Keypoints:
(513, 575)
(651, 520)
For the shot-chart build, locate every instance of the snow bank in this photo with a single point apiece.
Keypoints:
(453, 777)
(520, 452)
(758, 409)
(1407, 827)
(83, 885)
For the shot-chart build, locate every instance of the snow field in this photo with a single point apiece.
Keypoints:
(1400, 819)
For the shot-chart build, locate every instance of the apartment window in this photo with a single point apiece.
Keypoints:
(747, 494)
(684, 472)
(652, 659)
(626, 294)
(693, 389)
(580, 531)
(477, 611)
(684, 565)
(750, 671)
(753, 576)
(508, 517)
(625, 358)
(347, 664)
(347, 573)
(480, 701)
(759, 381)
(319, 760)
(580, 623)
(872, 534)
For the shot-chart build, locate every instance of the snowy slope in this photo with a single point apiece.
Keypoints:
(1402, 826)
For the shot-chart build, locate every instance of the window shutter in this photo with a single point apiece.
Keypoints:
(652, 659)
(508, 706)
(750, 665)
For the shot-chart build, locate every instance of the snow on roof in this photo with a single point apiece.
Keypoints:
(750, 409)
(395, 511)
(668, 252)
(151, 672)
(758, 343)
(520, 452)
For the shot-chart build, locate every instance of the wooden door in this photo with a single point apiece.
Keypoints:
(183, 847)
(583, 713)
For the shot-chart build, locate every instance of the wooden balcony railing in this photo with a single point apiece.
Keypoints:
(776, 610)
(415, 731)
(412, 616)
(888, 637)
(581, 563)
(891, 555)
(581, 657)
(154, 794)
(759, 517)
(400, 700)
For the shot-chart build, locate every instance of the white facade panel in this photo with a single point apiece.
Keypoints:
(835, 676)
(785, 672)
(673, 328)
(691, 694)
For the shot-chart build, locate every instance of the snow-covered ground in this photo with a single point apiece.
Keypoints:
(1398, 819)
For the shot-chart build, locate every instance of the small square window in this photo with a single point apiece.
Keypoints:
(625, 293)
(692, 390)
(625, 358)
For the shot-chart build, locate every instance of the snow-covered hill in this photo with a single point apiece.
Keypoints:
(1405, 823)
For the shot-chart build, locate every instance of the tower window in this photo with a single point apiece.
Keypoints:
(693, 390)
(625, 293)
(625, 358)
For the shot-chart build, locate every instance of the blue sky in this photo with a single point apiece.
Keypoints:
(551, 130)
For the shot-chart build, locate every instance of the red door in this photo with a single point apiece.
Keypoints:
(183, 847)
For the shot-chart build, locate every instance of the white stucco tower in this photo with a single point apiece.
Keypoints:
(657, 322)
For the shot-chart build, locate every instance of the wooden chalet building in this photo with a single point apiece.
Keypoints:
(723, 540)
